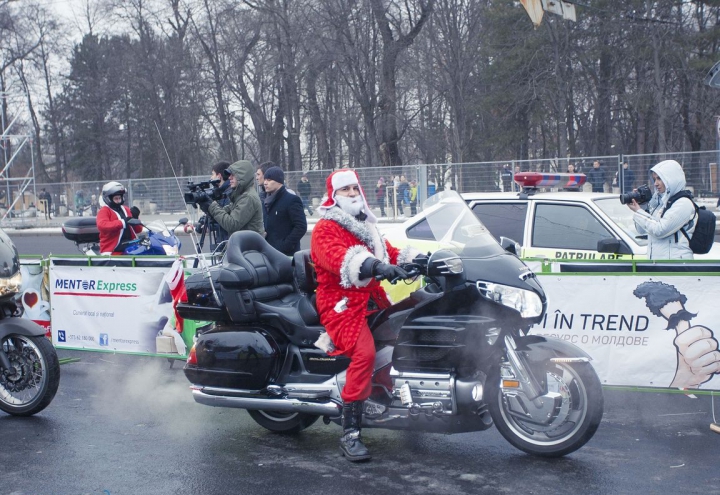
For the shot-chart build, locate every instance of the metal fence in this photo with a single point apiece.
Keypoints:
(385, 188)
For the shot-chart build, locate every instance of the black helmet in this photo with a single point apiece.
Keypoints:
(113, 189)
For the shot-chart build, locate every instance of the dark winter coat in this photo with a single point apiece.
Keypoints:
(596, 177)
(304, 189)
(285, 221)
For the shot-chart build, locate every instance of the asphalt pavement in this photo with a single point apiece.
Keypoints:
(128, 425)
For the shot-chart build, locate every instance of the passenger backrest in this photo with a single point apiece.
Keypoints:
(304, 272)
(261, 264)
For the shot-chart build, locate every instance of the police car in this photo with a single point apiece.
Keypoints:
(564, 225)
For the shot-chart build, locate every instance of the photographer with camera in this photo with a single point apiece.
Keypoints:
(220, 176)
(243, 211)
(115, 221)
(662, 224)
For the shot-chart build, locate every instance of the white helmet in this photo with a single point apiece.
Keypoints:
(113, 189)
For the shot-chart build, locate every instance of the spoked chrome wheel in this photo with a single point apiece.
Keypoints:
(283, 422)
(32, 380)
(558, 422)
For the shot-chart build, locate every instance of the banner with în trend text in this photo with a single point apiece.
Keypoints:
(639, 331)
(109, 308)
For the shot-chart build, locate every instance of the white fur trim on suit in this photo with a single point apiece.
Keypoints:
(350, 267)
(408, 254)
(365, 231)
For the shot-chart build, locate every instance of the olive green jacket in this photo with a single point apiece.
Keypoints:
(245, 210)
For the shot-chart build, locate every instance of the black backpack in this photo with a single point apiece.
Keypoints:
(704, 234)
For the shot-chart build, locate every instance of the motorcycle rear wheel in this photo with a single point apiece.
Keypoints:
(570, 419)
(36, 377)
(282, 422)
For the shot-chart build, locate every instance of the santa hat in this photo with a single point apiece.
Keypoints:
(338, 180)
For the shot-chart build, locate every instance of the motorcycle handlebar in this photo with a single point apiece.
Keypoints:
(413, 270)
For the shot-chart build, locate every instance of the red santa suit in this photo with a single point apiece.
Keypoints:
(339, 245)
(110, 224)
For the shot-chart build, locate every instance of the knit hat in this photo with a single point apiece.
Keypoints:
(276, 174)
(338, 180)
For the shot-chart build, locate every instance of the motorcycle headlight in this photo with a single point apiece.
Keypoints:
(170, 250)
(525, 302)
(10, 285)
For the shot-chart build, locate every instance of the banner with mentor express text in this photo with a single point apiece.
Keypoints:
(109, 308)
(640, 331)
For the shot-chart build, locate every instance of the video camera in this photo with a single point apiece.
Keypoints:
(201, 190)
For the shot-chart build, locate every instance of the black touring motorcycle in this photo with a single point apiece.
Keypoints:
(29, 366)
(455, 356)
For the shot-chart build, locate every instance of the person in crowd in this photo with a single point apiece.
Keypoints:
(115, 221)
(380, 196)
(412, 197)
(596, 177)
(285, 222)
(515, 185)
(304, 190)
(571, 170)
(79, 202)
(627, 179)
(219, 172)
(506, 176)
(260, 178)
(401, 200)
(662, 226)
(46, 199)
(94, 205)
(349, 253)
(244, 210)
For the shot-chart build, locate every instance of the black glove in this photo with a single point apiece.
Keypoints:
(204, 202)
(389, 272)
(421, 259)
(133, 221)
(135, 212)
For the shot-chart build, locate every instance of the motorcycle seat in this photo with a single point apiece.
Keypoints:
(304, 274)
(297, 311)
(252, 271)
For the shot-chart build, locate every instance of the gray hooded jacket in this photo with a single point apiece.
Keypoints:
(661, 230)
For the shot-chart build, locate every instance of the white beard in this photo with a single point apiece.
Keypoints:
(351, 206)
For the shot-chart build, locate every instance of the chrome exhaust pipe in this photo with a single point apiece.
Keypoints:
(327, 408)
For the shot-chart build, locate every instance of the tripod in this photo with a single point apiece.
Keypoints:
(204, 222)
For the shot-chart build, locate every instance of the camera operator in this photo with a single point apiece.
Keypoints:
(219, 173)
(662, 226)
(244, 210)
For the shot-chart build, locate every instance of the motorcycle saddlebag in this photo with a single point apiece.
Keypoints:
(81, 229)
(245, 358)
(201, 303)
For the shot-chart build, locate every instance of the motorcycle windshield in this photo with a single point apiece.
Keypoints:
(159, 227)
(454, 226)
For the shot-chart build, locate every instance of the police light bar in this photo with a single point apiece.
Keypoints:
(532, 180)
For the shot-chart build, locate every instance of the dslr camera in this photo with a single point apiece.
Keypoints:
(641, 195)
(201, 190)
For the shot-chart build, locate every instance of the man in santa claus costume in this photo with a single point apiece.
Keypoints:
(349, 255)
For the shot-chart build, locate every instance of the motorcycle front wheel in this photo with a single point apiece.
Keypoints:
(31, 383)
(282, 422)
(556, 423)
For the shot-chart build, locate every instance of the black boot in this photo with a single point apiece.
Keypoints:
(350, 443)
